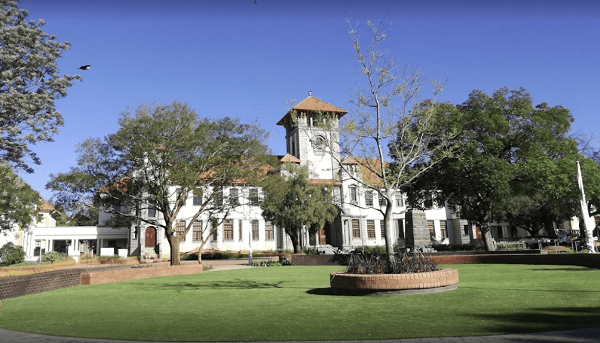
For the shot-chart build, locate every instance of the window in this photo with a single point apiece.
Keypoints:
(382, 201)
(443, 229)
(371, 229)
(498, 231)
(399, 200)
(151, 212)
(219, 198)
(319, 145)
(355, 228)
(215, 229)
(180, 229)
(400, 228)
(353, 195)
(255, 230)
(233, 197)
(431, 228)
(369, 198)
(240, 230)
(198, 198)
(197, 230)
(269, 231)
(228, 229)
(465, 229)
(254, 196)
(382, 228)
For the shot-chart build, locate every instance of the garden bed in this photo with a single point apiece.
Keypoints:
(395, 284)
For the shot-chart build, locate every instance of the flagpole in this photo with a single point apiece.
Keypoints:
(588, 223)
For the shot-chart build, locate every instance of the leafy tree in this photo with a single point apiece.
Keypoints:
(392, 120)
(292, 202)
(29, 85)
(18, 201)
(161, 155)
(510, 151)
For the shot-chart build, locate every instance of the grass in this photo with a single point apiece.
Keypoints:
(295, 303)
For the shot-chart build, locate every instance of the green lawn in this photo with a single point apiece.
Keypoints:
(295, 303)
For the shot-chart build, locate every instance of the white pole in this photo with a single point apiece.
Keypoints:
(587, 220)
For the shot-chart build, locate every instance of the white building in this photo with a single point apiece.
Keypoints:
(358, 224)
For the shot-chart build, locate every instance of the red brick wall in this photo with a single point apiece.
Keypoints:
(441, 278)
(14, 286)
(138, 273)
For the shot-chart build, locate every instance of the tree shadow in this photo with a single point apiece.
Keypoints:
(544, 319)
(332, 292)
(572, 269)
(232, 284)
(529, 290)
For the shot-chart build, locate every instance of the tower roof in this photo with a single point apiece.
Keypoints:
(312, 104)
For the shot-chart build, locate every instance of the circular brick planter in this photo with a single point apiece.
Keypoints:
(413, 283)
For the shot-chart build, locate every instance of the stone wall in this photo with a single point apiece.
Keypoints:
(417, 234)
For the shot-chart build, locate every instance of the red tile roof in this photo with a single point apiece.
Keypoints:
(289, 159)
(312, 104)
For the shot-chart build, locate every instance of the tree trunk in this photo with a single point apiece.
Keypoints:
(549, 226)
(174, 244)
(389, 240)
(200, 248)
(295, 241)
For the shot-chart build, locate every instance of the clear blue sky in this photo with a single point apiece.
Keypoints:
(244, 59)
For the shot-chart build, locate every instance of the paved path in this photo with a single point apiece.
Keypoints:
(570, 336)
(566, 336)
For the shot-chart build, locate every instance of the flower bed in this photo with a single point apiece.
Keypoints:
(410, 283)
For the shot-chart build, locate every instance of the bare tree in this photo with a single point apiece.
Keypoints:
(395, 133)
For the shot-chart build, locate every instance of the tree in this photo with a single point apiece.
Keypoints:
(292, 202)
(161, 155)
(18, 201)
(29, 85)
(510, 150)
(392, 121)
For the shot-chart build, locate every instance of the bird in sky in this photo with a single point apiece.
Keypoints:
(85, 67)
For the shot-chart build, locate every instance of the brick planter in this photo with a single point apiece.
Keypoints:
(413, 283)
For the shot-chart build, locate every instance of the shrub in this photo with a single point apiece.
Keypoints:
(11, 254)
(115, 259)
(266, 264)
(189, 257)
(310, 251)
(376, 263)
(53, 256)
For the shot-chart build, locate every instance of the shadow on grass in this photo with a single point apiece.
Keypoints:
(565, 269)
(233, 284)
(331, 291)
(529, 290)
(545, 319)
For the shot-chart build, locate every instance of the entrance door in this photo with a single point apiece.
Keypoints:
(150, 237)
(325, 235)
